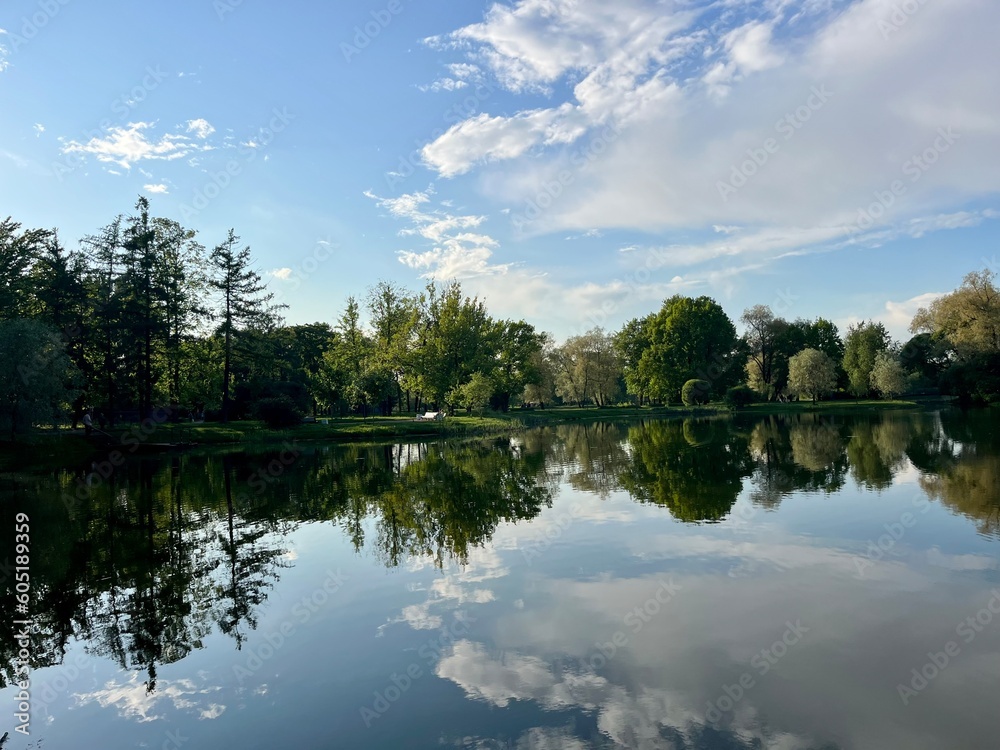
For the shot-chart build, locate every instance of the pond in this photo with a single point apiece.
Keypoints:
(786, 582)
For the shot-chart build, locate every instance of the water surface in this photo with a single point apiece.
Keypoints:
(768, 583)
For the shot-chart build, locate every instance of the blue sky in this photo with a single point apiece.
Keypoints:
(572, 161)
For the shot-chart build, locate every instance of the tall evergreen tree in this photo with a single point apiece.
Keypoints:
(244, 302)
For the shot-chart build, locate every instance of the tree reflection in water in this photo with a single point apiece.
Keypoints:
(165, 550)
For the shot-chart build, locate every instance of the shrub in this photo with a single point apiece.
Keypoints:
(740, 395)
(277, 412)
(696, 392)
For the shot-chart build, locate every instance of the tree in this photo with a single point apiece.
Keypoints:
(455, 339)
(811, 373)
(888, 377)
(476, 393)
(543, 388)
(630, 342)
(182, 266)
(969, 317)
(863, 343)
(925, 355)
(393, 314)
(103, 253)
(18, 250)
(761, 339)
(587, 368)
(690, 338)
(64, 304)
(516, 344)
(143, 294)
(35, 376)
(244, 302)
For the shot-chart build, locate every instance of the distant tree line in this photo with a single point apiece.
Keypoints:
(142, 318)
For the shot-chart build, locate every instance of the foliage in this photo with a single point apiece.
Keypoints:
(542, 389)
(690, 338)
(696, 392)
(475, 394)
(630, 343)
(244, 303)
(862, 345)
(587, 368)
(811, 373)
(761, 339)
(888, 376)
(740, 395)
(968, 318)
(975, 380)
(278, 412)
(35, 376)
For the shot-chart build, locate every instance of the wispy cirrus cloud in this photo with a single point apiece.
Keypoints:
(4, 63)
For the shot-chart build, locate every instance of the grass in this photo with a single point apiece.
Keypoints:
(56, 448)
(838, 407)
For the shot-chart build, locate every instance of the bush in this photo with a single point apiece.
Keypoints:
(740, 395)
(696, 392)
(278, 412)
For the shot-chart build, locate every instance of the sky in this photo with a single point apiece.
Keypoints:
(572, 162)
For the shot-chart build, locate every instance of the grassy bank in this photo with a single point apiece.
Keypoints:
(55, 448)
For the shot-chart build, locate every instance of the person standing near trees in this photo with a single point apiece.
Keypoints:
(88, 422)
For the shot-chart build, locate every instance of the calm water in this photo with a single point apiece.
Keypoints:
(696, 584)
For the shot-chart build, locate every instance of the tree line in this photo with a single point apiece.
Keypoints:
(142, 318)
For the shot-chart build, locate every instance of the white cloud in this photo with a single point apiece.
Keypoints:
(281, 273)
(619, 50)
(4, 64)
(642, 66)
(899, 314)
(128, 145)
(457, 253)
(133, 701)
(156, 188)
(39, 129)
(200, 127)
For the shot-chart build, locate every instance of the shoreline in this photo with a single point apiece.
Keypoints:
(62, 449)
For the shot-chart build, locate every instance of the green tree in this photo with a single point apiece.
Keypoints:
(690, 338)
(862, 345)
(455, 339)
(182, 266)
(587, 368)
(63, 303)
(393, 315)
(811, 373)
(630, 343)
(542, 390)
(36, 376)
(476, 394)
(516, 344)
(103, 252)
(969, 317)
(18, 251)
(888, 377)
(925, 355)
(762, 339)
(244, 302)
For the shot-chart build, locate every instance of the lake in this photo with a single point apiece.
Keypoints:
(787, 582)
